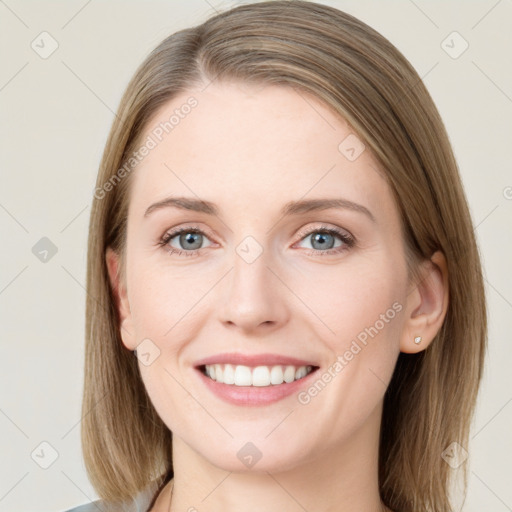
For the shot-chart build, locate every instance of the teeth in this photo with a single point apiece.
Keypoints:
(240, 375)
(260, 376)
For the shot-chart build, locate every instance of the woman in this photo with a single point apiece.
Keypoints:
(285, 303)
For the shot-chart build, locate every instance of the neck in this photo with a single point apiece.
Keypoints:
(342, 478)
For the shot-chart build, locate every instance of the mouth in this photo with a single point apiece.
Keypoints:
(255, 376)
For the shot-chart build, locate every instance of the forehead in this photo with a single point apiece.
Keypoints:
(253, 146)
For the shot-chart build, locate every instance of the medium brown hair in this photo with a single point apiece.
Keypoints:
(360, 75)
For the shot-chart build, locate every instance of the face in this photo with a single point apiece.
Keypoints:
(255, 272)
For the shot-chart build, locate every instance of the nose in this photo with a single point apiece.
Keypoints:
(254, 297)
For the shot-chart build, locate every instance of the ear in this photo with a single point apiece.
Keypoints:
(426, 305)
(119, 291)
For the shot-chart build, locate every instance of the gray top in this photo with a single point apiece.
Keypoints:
(139, 503)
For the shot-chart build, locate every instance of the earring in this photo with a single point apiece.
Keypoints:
(417, 340)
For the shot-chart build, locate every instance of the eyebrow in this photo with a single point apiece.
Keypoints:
(290, 208)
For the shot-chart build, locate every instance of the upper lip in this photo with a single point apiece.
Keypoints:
(253, 360)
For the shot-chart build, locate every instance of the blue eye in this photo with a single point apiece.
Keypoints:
(323, 240)
(190, 241)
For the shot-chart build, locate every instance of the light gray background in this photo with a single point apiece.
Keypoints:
(55, 116)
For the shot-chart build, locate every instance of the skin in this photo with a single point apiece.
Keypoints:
(240, 145)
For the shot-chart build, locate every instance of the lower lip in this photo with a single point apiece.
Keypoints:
(255, 395)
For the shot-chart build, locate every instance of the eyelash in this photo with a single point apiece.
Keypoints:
(347, 240)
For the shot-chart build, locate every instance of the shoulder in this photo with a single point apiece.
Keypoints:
(104, 506)
(139, 503)
(94, 506)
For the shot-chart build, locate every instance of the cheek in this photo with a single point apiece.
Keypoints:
(164, 298)
(358, 318)
(357, 314)
(346, 300)
(163, 312)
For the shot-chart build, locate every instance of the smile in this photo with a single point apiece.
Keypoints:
(240, 375)
(253, 386)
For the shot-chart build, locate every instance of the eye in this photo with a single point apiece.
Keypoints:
(323, 240)
(188, 238)
(188, 241)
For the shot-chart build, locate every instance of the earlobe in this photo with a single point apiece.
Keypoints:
(426, 307)
(119, 292)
